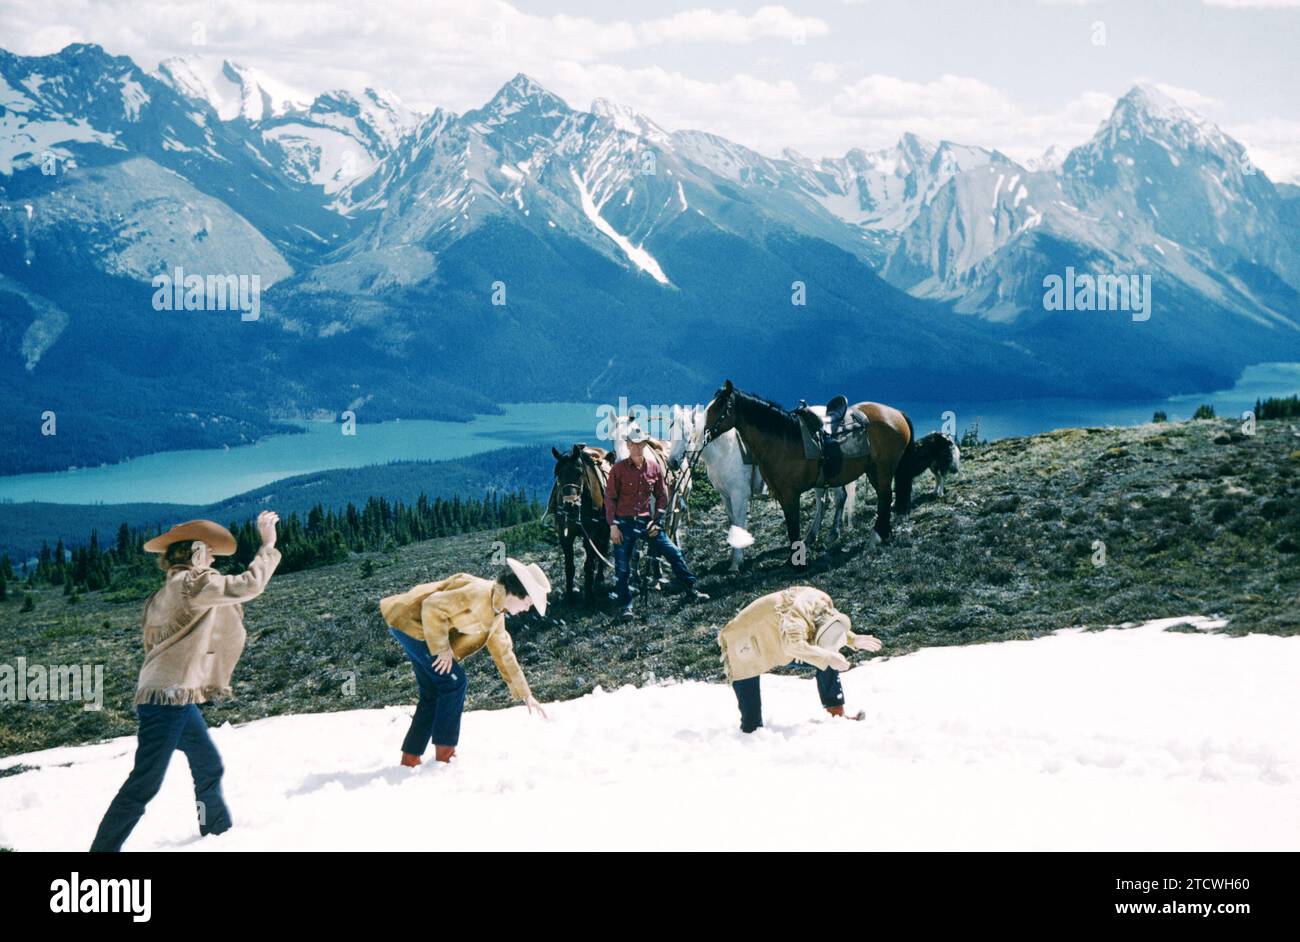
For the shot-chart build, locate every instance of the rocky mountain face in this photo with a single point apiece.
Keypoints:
(414, 265)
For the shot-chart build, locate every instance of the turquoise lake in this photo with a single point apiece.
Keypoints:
(203, 476)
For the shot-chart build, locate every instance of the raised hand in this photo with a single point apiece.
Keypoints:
(266, 522)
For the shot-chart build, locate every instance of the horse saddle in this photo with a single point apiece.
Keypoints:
(830, 438)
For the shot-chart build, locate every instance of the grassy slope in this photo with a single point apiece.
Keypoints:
(1196, 518)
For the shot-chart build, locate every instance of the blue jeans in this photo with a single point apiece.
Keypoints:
(163, 730)
(442, 698)
(751, 701)
(633, 529)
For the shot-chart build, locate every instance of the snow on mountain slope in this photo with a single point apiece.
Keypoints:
(233, 90)
(26, 134)
(1157, 190)
(333, 141)
(638, 255)
(340, 139)
(1136, 738)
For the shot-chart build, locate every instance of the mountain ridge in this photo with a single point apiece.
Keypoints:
(502, 253)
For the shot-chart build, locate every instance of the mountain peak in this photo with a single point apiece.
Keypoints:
(1150, 98)
(521, 94)
(233, 90)
(1146, 113)
(628, 119)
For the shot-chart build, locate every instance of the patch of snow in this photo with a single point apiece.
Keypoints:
(635, 253)
(133, 98)
(1088, 740)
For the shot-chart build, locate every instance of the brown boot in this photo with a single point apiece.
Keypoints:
(860, 715)
(410, 761)
(444, 753)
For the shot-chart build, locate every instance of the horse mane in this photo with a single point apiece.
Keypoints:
(767, 415)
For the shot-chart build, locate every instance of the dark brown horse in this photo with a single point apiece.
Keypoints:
(775, 437)
(578, 505)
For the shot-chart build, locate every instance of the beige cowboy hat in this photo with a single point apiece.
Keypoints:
(833, 633)
(214, 535)
(534, 581)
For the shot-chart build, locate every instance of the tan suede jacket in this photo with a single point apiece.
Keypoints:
(774, 630)
(461, 613)
(194, 631)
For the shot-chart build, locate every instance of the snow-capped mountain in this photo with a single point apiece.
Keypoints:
(232, 90)
(377, 229)
(1157, 190)
(333, 141)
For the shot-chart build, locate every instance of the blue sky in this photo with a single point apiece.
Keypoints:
(819, 77)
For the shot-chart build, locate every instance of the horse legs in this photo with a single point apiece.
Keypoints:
(903, 502)
(738, 515)
(593, 569)
(566, 544)
(841, 499)
(884, 497)
(815, 530)
(790, 507)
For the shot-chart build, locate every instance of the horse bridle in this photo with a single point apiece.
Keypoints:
(728, 408)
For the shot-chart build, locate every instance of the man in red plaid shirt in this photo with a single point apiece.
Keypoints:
(634, 483)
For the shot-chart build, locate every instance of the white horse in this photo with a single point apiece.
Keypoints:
(724, 462)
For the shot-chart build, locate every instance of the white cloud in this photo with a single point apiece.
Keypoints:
(1273, 145)
(825, 71)
(1254, 4)
(1189, 98)
(457, 53)
(729, 26)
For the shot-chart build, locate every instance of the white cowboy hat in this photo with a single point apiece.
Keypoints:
(833, 633)
(534, 582)
(636, 433)
(217, 537)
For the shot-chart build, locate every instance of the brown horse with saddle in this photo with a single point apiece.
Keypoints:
(798, 450)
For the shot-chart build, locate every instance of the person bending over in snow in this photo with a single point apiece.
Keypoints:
(193, 638)
(439, 624)
(800, 623)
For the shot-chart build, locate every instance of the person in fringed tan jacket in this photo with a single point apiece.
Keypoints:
(193, 638)
(801, 624)
(439, 624)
